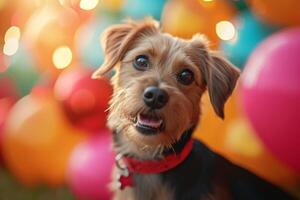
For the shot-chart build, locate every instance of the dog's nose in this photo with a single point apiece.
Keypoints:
(155, 98)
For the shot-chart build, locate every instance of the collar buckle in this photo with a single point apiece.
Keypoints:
(124, 178)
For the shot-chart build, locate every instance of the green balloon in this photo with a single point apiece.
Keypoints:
(22, 70)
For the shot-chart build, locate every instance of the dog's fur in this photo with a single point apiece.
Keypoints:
(204, 174)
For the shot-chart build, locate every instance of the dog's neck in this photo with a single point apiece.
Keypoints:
(123, 148)
(180, 144)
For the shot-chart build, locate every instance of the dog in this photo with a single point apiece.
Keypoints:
(158, 83)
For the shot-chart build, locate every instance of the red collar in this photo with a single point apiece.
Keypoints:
(134, 166)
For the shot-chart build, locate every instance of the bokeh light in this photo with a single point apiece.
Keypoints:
(10, 47)
(62, 57)
(88, 4)
(12, 32)
(225, 30)
(11, 40)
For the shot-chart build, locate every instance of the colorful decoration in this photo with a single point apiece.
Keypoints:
(55, 44)
(38, 140)
(5, 105)
(110, 5)
(22, 69)
(143, 8)
(202, 17)
(239, 4)
(8, 96)
(51, 30)
(249, 33)
(8, 88)
(282, 12)
(88, 40)
(233, 138)
(90, 168)
(271, 94)
(84, 99)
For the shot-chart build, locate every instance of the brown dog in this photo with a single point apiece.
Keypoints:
(158, 85)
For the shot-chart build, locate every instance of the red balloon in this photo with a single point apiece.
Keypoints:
(90, 168)
(8, 96)
(270, 87)
(5, 106)
(85, 100)
(8, 88)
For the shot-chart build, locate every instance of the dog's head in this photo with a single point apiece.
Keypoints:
(159, 81)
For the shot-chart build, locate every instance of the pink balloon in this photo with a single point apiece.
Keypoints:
(90, 168)
(270, 94)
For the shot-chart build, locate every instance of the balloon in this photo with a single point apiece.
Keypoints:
(5, 105)
(75, 5)
(212, 126)
(143, 8)
(239, 4)
(249, 33)
(245, 148)
(90, 168)
(37, 140)
(202, 17)
(8, 96)
(88, 39)
(271, 94)
(52, 37)
(234, 138)
(3, 64)
(84, 99)
(6, 12)
(111, 5)
(21, 69)
(283, 12)
(8, 88)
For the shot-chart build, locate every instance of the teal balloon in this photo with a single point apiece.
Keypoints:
(239, 4)
(138, 9)
(249, 33)
(22, 70)
(88, 41)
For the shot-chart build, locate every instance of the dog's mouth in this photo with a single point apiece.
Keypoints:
(148, 124)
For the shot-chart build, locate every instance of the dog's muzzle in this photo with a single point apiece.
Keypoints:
(155, 98)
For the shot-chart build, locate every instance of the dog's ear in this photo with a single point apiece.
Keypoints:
(221, 78)
(117, 39)
(219, 75)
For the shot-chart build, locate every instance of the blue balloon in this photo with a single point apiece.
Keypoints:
(88, 41)
(138, 9)
(249, 33)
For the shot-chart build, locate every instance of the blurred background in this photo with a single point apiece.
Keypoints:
(53, 139)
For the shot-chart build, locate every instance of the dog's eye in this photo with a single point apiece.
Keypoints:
(185, 77)
(141, 62)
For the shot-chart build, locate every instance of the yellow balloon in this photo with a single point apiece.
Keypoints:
(234, 138)
(113, 5)
(185, 18)
(38, 140)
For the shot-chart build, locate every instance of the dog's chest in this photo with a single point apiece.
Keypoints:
(150, 187)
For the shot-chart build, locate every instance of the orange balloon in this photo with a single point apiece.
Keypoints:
(6, 13)
(234, 139)
(49, 28)
(280, 12)
(185, 18)
(38, 140)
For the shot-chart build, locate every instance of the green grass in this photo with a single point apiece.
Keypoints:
(11, 189)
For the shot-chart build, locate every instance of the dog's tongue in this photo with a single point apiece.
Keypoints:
(149, 121)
